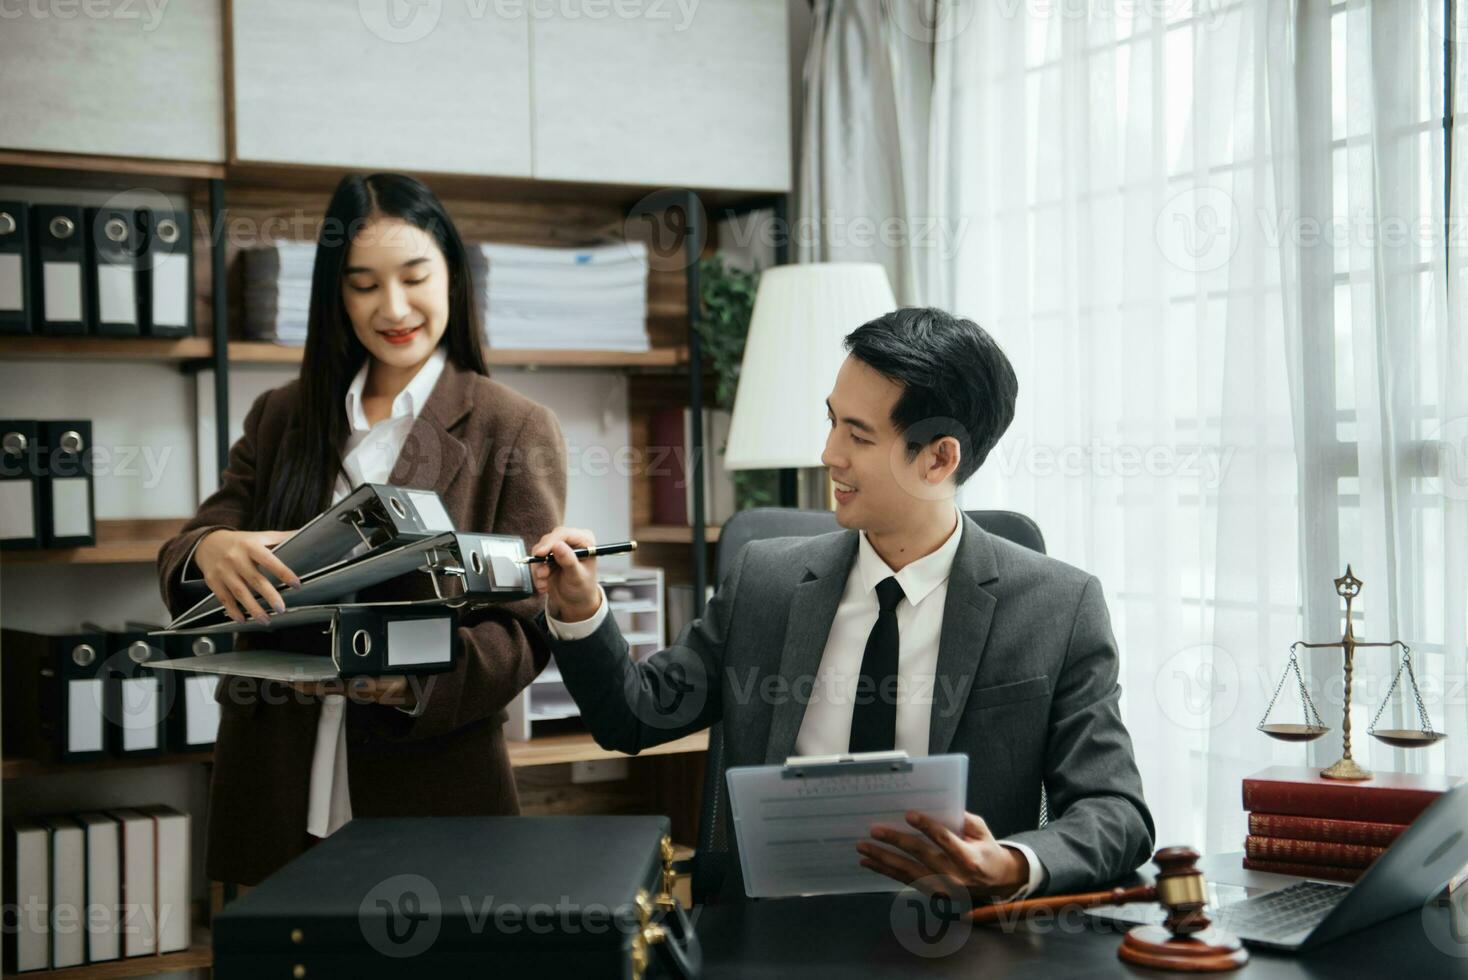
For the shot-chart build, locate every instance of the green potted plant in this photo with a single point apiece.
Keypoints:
(726, 305)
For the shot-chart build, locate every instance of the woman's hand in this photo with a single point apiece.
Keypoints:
(234, 563)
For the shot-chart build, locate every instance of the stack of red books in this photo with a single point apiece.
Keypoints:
(1303, 824)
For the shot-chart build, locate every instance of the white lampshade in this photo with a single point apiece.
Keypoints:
(791, 356)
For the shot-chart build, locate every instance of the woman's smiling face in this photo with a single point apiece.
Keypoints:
(396, 291)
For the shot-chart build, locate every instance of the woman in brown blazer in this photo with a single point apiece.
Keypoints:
(393, 388)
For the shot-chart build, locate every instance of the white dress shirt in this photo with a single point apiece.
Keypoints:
(369, 455)
(826, 727)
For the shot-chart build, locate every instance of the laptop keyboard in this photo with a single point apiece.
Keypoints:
(1283, 913)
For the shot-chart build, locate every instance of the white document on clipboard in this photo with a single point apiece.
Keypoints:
(798, 824)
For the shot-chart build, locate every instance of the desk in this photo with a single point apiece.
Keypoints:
(855, 936)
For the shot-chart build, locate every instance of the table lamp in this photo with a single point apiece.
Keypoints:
(791, 356)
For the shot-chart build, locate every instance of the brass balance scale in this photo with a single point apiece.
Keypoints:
(1348, 587)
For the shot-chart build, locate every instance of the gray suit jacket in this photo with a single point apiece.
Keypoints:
(1026, 688)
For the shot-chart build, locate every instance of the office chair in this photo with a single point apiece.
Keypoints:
(710, 859)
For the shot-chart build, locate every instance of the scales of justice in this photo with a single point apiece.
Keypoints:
(1348, 586)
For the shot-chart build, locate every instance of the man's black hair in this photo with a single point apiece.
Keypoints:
(955, 380)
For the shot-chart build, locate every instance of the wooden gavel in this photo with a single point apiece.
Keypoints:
(1185, 941)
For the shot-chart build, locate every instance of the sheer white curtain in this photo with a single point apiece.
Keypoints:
(1222, 383)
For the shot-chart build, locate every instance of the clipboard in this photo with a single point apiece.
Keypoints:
(798, 824)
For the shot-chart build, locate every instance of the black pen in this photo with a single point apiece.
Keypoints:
(619, 548)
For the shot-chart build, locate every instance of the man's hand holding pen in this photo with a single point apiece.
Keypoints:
(569, 584)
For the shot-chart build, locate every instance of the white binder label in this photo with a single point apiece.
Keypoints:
(413, 642)
(12, 296)
(61, 284)
(117, 294)
(17, 516)
(84, 716)
(431, 511)
(201, 711)
(139, 713)
(171, 291)
(71, 510)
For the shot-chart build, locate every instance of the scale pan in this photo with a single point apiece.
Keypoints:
(1406, 738)
(1294, 733)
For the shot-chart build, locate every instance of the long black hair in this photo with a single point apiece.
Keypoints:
(310, 457)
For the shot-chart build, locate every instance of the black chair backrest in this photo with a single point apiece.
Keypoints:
(711, 857)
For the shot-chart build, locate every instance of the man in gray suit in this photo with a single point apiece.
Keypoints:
(912, 629)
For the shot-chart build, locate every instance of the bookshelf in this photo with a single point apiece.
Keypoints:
(199, 956)
(545, 750)
(241, 197)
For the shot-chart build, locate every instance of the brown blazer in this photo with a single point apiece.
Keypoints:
(498, 461)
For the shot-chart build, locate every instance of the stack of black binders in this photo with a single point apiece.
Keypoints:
(376, 534)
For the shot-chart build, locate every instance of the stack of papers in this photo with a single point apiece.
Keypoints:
(278, 291)
(566, 298)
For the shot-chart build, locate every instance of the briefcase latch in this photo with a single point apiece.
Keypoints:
(648, 935)
(666, 898)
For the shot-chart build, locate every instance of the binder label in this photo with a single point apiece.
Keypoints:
(17, 516)
(171, 292)
(201, 711)
(431, 511)
(116, 294)
(11, 294)
(412, 642)
(139, 713)
(62, 287)
(71, 511)
(84, 716)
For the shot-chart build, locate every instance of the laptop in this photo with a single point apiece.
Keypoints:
(1412, 871)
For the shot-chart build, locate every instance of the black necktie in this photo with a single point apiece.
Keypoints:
(874, 716)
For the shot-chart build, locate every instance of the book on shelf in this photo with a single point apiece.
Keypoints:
(96, 886)
(1367, 832)
(1388, 797)
(1311, 851)
(670, 467)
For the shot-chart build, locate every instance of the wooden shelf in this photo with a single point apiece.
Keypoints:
(107, 348)
(550, 750)
(25, 768)
(321, 179)
(84, 169)
(199, 956)
(118, 543)
(673, 534)
(261, 352)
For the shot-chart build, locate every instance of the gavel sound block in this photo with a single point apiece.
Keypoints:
(1186, 942)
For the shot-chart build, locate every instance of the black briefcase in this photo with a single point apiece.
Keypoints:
(458, 896)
